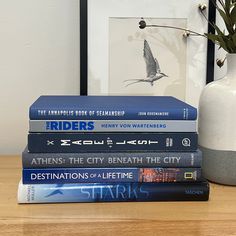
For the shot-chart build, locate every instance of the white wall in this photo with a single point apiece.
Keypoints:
(39, 54)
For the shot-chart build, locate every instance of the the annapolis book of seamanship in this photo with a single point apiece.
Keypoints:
(111, 108)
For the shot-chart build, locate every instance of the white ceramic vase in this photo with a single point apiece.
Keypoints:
(217, 127)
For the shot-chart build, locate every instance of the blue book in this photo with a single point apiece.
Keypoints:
(111, 159)
(113, 192)
(111, 108)
(107, 142)
(110, 175)
(78, 126)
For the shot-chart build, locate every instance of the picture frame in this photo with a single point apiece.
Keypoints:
(97, 44)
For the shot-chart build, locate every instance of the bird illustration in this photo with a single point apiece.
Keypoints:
(152, 67)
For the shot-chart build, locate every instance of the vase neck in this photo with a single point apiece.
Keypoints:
(231, 65)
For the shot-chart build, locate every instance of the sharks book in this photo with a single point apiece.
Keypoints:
(113, 192)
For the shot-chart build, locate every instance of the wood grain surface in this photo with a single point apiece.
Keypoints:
(215, 217)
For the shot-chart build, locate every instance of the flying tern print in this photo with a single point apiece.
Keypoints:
(152, 68)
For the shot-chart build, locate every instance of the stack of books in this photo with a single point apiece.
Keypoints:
(111, 148)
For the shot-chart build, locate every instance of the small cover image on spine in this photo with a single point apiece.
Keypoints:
(110, 175)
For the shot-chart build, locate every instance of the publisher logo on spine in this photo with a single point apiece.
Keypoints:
(69, 125)
(186, 142)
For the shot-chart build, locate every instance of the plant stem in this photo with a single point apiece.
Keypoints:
(178, 28)
(207, 19)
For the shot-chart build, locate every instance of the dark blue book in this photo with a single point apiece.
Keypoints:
(110, 175)
(107, 142)
(111, 108)
(111, 159)
(113, 192)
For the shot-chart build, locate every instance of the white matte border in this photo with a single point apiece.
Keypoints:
(99, 12)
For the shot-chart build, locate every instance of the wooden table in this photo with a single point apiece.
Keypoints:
(215, 217)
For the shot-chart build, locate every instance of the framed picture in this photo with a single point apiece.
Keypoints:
(118, 57)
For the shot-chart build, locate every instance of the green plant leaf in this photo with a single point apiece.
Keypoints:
(224, 43)
(224, 16)
(221, 3)
(230, 45)
(233, 42)
(233, 15)
(227, 5)
(227, 20)
(230, 42)
(219, 32)
(234, 39)
(217, 40)
(212, 37)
